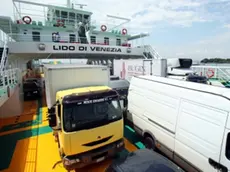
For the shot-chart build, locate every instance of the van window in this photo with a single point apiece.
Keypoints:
(227, 151)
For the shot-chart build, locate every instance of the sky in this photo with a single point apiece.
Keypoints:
(194, 29)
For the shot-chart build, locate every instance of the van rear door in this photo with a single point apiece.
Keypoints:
(199, 134)
(224, 164)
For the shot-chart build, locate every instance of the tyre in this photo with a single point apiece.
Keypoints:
(149, 143)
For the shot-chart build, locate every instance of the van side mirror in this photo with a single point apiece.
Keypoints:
(52, 120)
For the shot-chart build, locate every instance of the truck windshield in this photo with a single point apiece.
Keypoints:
(85, 116)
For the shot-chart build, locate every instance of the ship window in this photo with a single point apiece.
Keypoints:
(71, 17)
(72, 38)
(55, 37)
(79, 17)
(57, 13)
(64, 14)
(106, 40)
(86, 18)
(93, 39)
(36, 36)
(118, 42)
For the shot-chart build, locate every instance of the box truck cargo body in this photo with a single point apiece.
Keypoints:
(188, 121)
(128, 68)
(65, 76)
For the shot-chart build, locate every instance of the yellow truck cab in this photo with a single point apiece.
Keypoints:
(87, 120)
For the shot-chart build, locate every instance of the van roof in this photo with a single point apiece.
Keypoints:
(225, 92)
(66, 66)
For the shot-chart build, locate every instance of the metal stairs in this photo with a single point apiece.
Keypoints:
(3, 59)
(150, 52)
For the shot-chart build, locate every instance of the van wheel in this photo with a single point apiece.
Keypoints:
(149, 143)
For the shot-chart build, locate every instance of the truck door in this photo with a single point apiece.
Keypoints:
(147, 67)
(224, 164)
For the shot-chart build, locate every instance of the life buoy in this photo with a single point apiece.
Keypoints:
(60, 23)
(124, 31)
(210, 73)
(8, 91)
(27, 19)
(103, 28)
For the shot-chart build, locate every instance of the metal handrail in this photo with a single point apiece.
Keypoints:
(219, 71)
(152, 51)
(226, 76)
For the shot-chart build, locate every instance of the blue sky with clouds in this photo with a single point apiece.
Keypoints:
(178, 28)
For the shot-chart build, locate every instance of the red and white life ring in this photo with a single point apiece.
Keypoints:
(210, 73)
(27, 19)
(103, 28)
(60, 23)
(124, 31)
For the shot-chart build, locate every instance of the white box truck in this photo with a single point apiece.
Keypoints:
(84, 113)
(187, 121)
(127, 68)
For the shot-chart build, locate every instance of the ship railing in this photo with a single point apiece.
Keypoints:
(8, 79)
(215, 72)
(45, 38)
(39, 18)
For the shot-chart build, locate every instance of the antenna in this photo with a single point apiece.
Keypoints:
(81, 5)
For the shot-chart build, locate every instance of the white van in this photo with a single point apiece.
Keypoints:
(187, 121)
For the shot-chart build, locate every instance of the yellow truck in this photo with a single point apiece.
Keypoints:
(84, 113)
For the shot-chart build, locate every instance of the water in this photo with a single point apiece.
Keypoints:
(215, 64)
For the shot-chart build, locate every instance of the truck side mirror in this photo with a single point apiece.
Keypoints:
(52, 120)
(51, 110)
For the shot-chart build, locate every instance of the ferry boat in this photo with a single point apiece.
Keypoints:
(26, 140)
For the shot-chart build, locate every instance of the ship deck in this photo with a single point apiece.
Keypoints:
(27, 143)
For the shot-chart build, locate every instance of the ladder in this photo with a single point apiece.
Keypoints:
(3, 58)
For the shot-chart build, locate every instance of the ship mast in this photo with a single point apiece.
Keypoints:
(68, 4)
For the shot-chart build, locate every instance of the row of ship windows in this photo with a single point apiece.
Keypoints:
(106, 40)
(72, 38)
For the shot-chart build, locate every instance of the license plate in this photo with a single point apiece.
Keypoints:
(100, 159)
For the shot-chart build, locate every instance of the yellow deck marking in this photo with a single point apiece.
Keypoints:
(40, 153)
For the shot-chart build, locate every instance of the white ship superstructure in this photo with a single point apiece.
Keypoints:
(44, 31)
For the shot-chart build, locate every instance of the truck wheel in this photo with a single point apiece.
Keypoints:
(149, 143)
